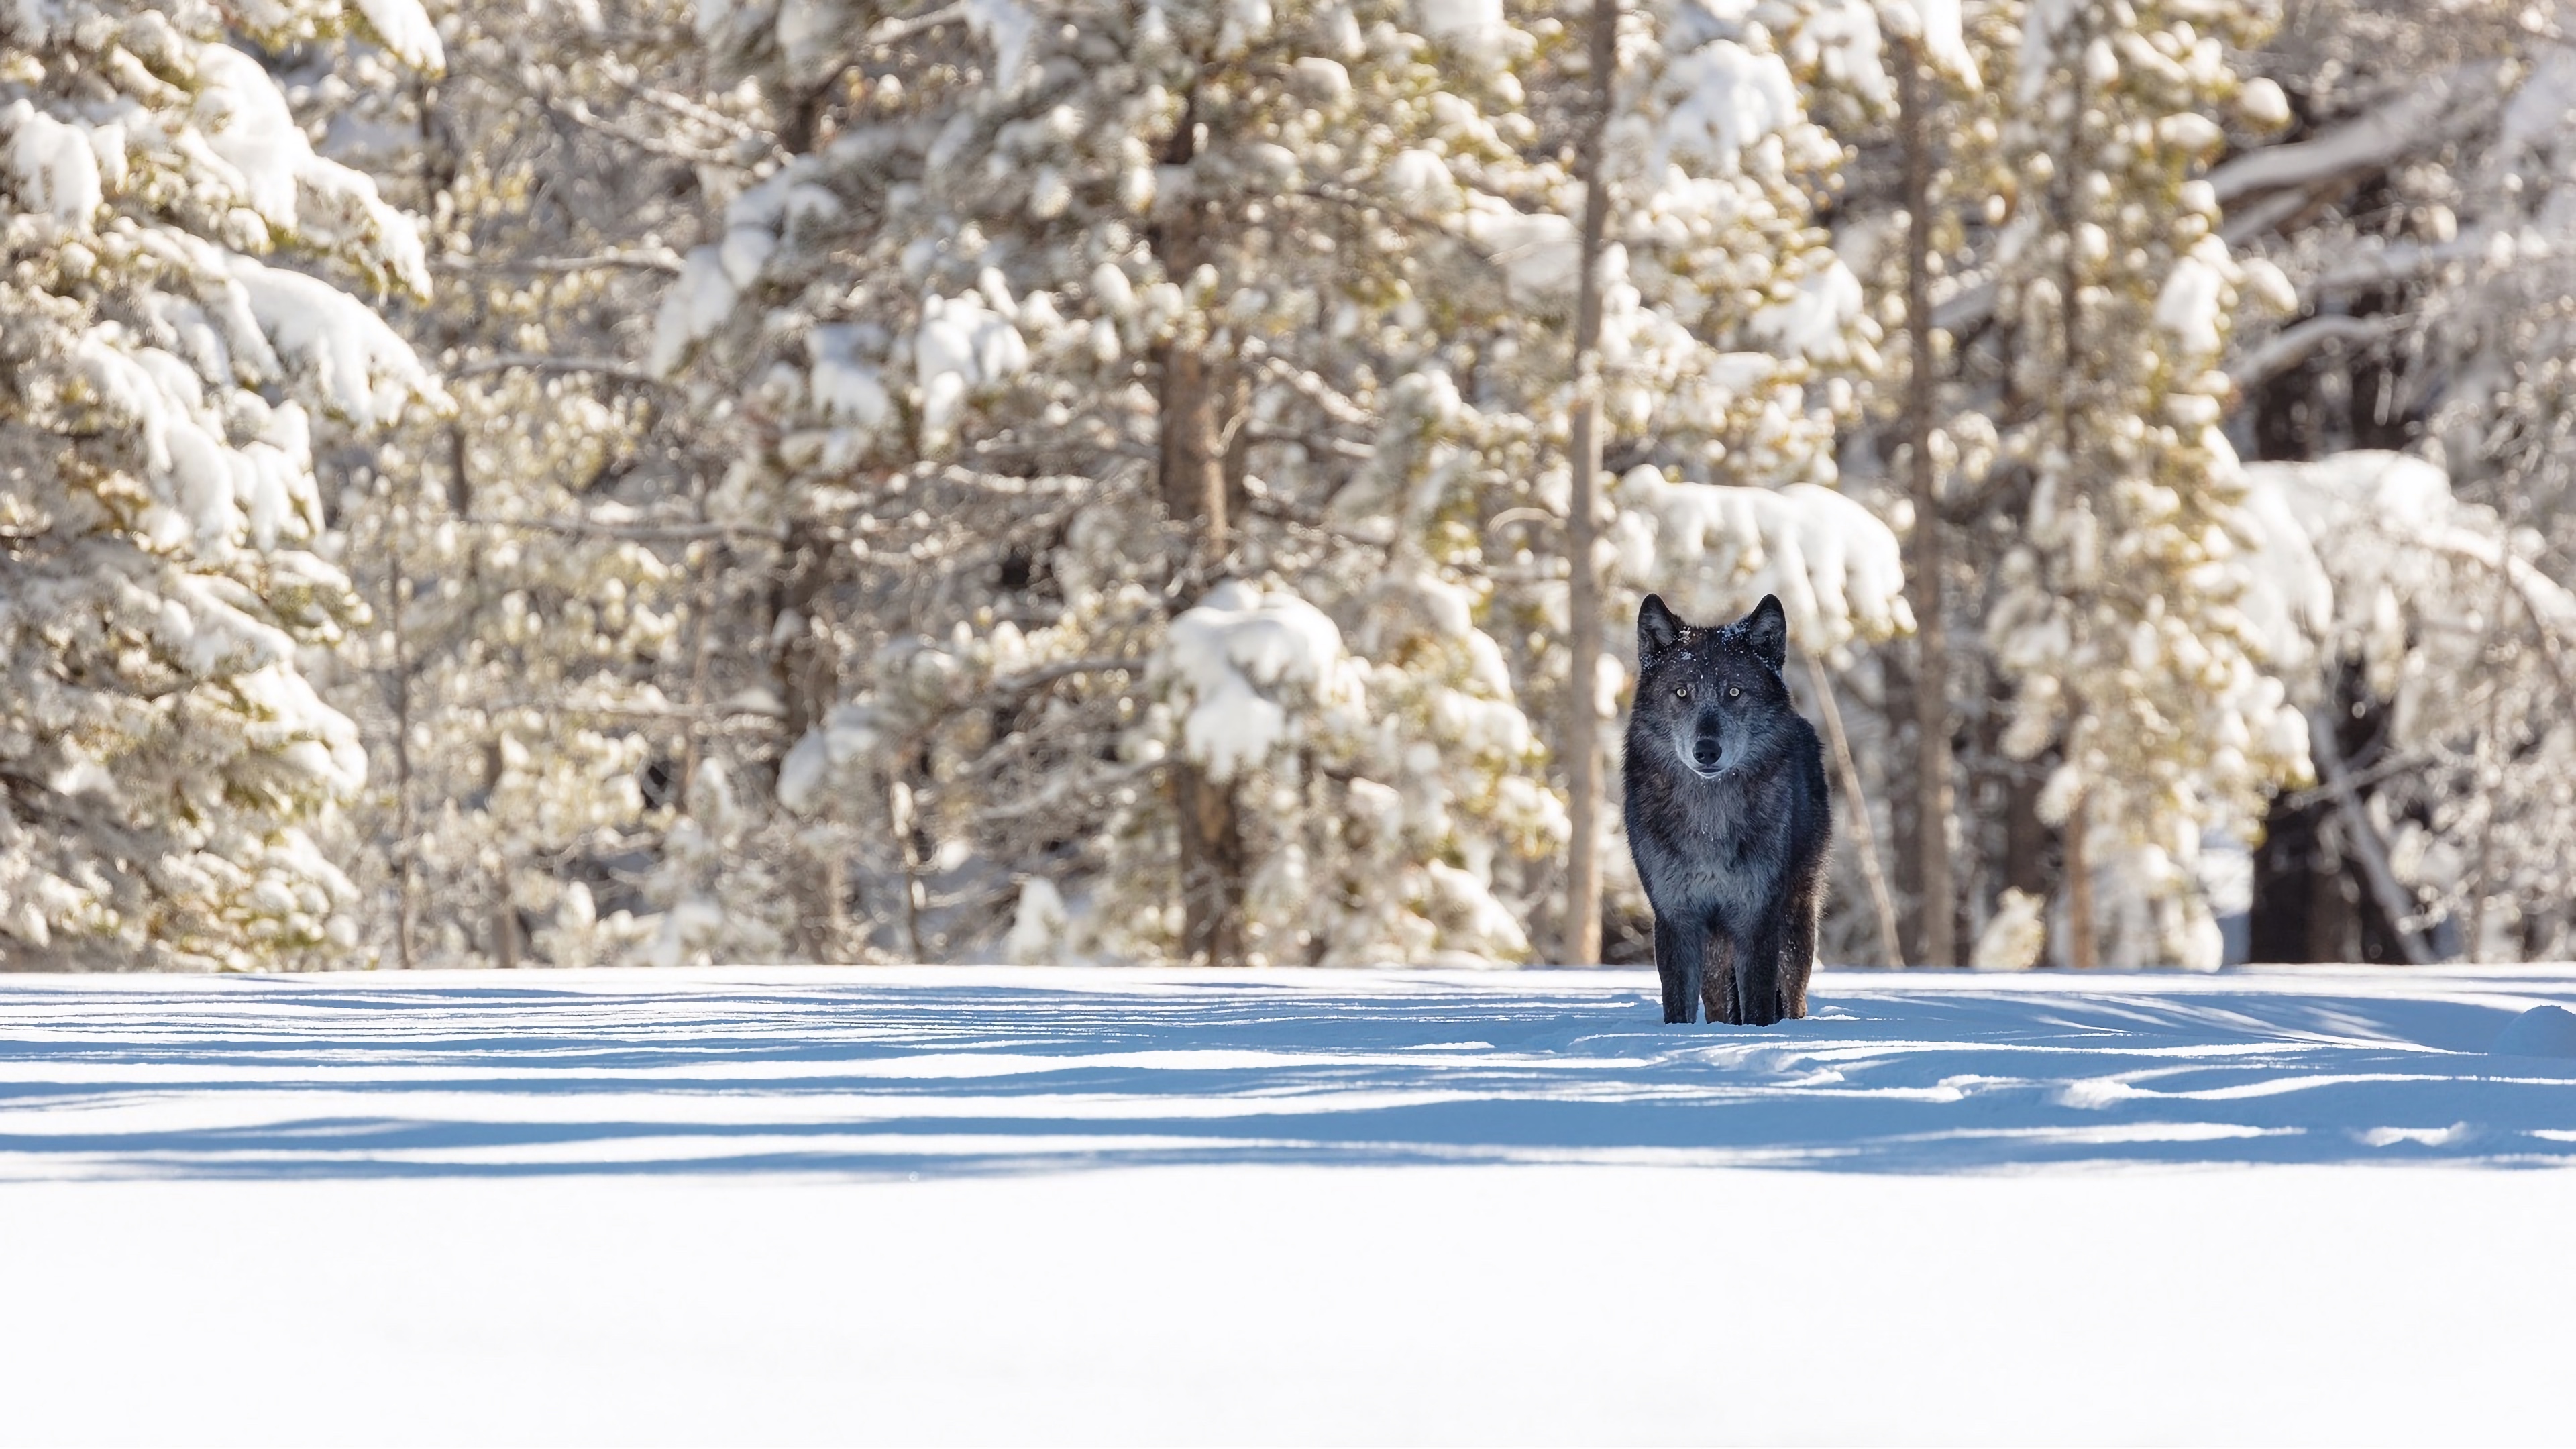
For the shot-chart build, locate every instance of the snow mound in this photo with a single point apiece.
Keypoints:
(2543, 1031)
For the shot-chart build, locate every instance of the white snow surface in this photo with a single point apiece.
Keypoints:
(1089, 1205)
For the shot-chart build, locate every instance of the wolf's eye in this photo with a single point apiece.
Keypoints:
(1681, 692)
(1733, 690)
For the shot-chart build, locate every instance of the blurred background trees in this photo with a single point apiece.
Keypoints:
(627, 481)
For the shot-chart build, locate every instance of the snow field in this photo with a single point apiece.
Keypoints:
(1263, 1304)
(1015, 1205)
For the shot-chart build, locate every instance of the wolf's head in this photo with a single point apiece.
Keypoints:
(1713, 696)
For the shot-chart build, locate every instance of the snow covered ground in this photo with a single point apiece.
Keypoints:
(1101, 1206)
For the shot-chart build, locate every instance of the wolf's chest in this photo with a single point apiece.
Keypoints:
(1722, 852)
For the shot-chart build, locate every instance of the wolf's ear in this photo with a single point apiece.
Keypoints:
(1766, 629)
(1657, 630)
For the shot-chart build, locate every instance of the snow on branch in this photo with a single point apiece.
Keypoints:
(2388, 541)
(2407, 122)
(2295, 344)
(1245, 665)
(1714, 551)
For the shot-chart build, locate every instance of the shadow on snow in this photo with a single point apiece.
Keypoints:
(268, 1079)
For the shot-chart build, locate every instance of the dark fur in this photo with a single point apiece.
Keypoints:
(1727, 816)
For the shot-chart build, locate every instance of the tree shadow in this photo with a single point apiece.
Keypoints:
(1007, 1072)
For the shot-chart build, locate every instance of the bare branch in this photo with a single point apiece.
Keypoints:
(657, 259)
(888, 32)
(606, 367)
(1322, 394)
(2394, 900)
(675, 532)
(2295, 344)
(1048, 674)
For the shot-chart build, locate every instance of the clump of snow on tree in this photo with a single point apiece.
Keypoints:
(1249, 667)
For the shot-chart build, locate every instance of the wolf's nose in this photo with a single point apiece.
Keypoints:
(1705, 753)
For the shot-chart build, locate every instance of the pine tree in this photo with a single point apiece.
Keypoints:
(539, 563)
(2117, 622)
(164, 370)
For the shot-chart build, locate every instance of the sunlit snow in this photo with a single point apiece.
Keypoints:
(1085, 1206)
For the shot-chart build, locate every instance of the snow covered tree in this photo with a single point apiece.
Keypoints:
(538, 565)
(164, 369)
(2412, 207)
(2385, 588)
(1156, 405)
(1056, 327)
(2117, 621)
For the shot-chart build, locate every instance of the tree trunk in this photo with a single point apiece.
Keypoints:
(1236, 434)
(1904, 802)
(806, 670)
(406, 855)
(1582, 939)
(1864, 835)
(1192, 458)
(505, 921)
(1937, 942)
(2082, 948)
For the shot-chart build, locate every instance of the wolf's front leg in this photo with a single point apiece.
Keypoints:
(1668, 967)
(1757, 974)
(1798, 954)
(1717, 982)
(1679, 949)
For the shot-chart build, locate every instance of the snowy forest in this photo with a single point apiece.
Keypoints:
(576, 482)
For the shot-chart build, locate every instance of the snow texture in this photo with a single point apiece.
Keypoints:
(1474, 28)
(52, 166)
(1936, 24)
(1233, 1206)
(406, 31)
(964, 1069)
(964, 344)
(1009, 28)
(1541, 254)
(1729, 98)
(2194, 300)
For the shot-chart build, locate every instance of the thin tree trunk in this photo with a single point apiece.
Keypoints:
(1938, 912)
(808, 678)
(1904, 802)
(899, 826)
(1864, 837)
(1212, 868)
(2472, 949)
(2489, 745)
(1582, 939)
(406, 855)
(505, 920)
(505, 911)
(701, 604)
(1192, 457)
(1236, 435)
(2083, 951)
(1192, 454)
(2084, 944)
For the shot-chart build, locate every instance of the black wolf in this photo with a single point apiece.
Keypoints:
(1727, 815)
